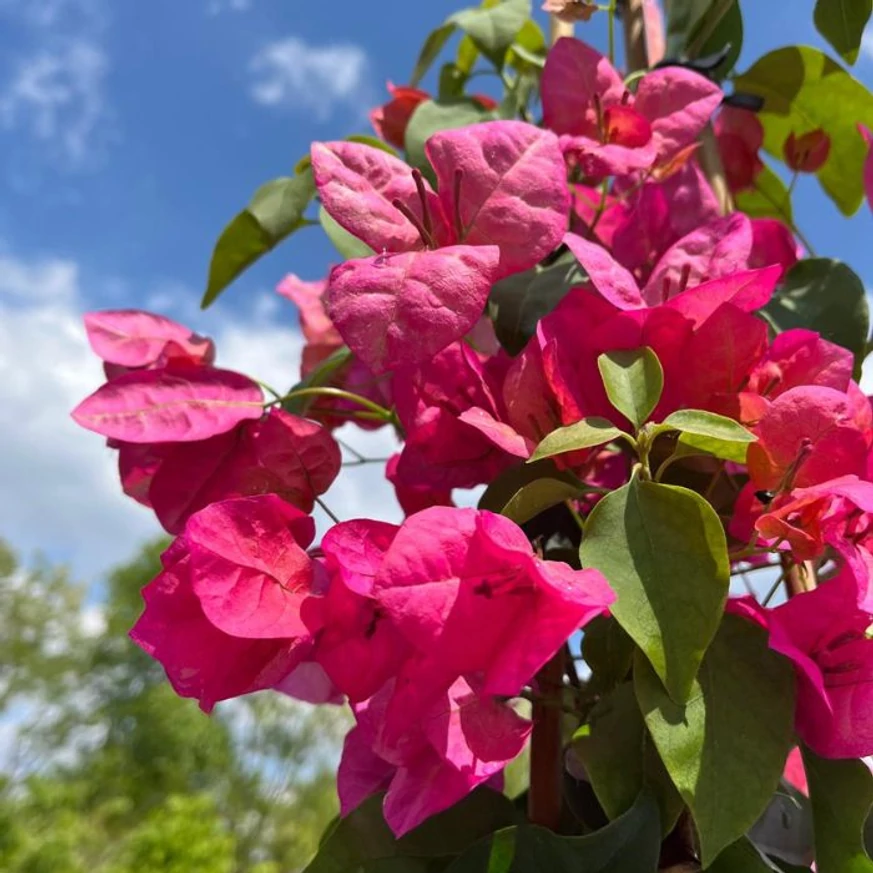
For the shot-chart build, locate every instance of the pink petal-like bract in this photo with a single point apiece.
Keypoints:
(748, 290)
(133, 338)
(612, 280)
(807, 437)
(503, 183)
(717, 249)
(170, 405)
(678, 103)
(357, 549)
(279, 454)
(358, 186)
(249, 568)
(466, 591)
(574, 74)
(200, 660)
(403, 309)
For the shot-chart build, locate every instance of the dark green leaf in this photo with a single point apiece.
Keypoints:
(841, 793)
(710, 37)
(663, 550)
(608, 651)
(725, 749)
(742, 857)
(711, 433)
(683, 18)
(634, 381)
(518, 302)
(769, 198)
(275, 212)
(432, 116)
(803, 90)
(583, 434)
(825, 296)
(517, 490)
(452, 81)
(430, 51)
(842, 23)
(493, 28)
(618, 755)
(540, 495)
(347, 245)
(362, 838)
(630, 844)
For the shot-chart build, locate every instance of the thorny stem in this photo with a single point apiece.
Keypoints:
(601, 209)
(772, 592)
(636, 51)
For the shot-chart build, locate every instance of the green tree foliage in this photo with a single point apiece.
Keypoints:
(110, 772)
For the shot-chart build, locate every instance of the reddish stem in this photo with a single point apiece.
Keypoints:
(544, 797)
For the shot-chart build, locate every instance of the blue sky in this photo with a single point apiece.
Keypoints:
(129, 134)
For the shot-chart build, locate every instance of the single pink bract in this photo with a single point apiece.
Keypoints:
(170, 405)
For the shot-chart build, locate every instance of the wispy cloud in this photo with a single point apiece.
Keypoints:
(54, 92)
(57, 96)
(61, 482)
(295, 74)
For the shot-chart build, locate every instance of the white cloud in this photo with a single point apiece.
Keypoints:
(59, 482)
(57, 96)
(293, 73)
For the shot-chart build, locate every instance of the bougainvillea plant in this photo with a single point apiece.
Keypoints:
(589, 298)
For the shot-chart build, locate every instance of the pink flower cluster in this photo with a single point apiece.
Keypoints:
(429, 629)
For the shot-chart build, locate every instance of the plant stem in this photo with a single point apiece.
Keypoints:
(706, 29)
(611, 31)
(544, 796)
(327, 510)
(380, 411)
(636, 53)
(559, 28)
(799, 578)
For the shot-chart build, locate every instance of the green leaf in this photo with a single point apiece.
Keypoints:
(528, 489)
(493, 29)
(841, 793)
(583, 434)
(741, 857)
(608, 651)
(528, 50)
(347, 245)
(803, 90)
(540, 495)
(663, 550)
(618, 755)
(725, 749)
(769, 198)
(362, 838)
(467, 55)
(711, 433)
(683, 18)
(728, 30)
(322, 375)
(634, 381)
(432, 116)
(430, 51)
(452, 81)
(275, 212)
(826, 296)
(518, 302)
(842, 23)
(630, 844)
